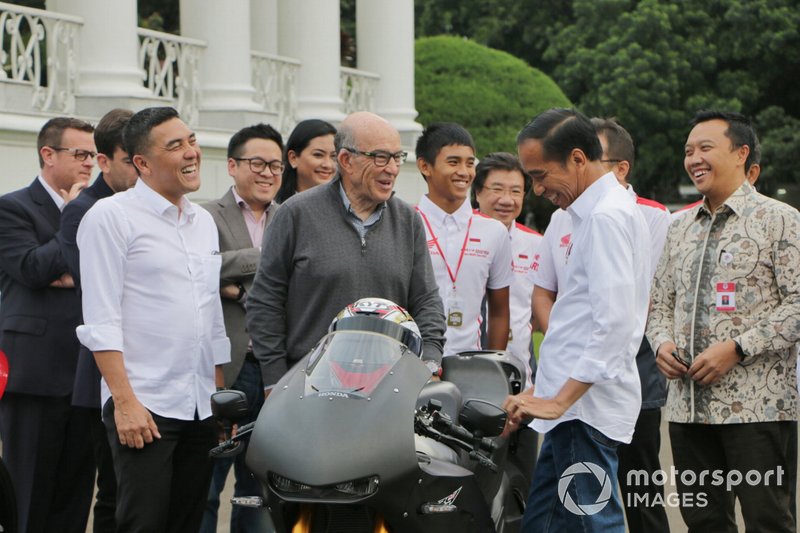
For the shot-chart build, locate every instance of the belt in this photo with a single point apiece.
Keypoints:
(250, 356)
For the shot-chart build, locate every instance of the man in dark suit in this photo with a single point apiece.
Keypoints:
(117, 174)
(46, 443)
(241, 215)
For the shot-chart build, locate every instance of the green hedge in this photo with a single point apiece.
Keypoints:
(491, 93)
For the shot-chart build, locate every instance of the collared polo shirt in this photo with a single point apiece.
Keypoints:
(486, 264)
(524, 246)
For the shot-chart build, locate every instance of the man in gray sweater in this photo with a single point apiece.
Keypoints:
(336, 243)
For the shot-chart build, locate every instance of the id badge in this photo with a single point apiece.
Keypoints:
(726, 296)
(455, 314)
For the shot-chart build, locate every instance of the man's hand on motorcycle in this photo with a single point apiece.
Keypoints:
(514, 404)
(135, 424)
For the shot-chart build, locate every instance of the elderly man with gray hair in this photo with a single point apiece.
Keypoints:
(331, 245)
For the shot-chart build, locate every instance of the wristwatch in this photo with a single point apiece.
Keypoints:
(434, 367)
(241, 292)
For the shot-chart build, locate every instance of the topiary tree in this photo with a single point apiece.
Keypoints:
(489, 92)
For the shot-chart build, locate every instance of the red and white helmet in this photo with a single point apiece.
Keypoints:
(384, 310)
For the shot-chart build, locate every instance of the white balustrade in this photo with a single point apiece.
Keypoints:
(358, 90)
(171, 70)
(275, 81)
(39, 49)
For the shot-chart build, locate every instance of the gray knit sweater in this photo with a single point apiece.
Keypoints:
(313, 263)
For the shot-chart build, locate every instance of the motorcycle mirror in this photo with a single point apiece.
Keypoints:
(482, 418)
(229, 405)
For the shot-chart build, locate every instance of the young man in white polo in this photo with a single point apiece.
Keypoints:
(470, 253)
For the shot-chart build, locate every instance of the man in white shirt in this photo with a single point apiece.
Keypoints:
(642, 452)
(150, 269)
(586, 396)
(500, 189)
(470, 253)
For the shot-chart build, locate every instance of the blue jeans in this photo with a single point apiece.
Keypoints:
(243, 519)
(575, 483)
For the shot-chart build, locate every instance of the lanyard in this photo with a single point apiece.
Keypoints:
(441, 252)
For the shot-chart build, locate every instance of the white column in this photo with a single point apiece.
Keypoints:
(264, 26)
(225, 76)
(108, 69)
(309, 32)
(385, 40)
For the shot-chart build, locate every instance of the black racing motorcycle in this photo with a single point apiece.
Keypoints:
(358, 438)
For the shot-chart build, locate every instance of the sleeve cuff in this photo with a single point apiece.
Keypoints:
(100, 338)
(431, 351)
(590, 371)
(221, 348)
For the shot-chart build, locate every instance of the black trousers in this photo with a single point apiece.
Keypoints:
(644, 509)
(105, 502)
(756, 458)
(163, 486)
(48, 453)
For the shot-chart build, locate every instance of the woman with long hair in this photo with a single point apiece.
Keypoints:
(309, 158)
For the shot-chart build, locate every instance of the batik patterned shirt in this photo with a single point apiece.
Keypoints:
(750, 241)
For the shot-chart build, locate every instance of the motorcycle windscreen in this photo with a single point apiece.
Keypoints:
(351, 364)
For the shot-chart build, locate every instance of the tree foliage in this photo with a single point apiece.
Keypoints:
(489, 92)
(652, 64)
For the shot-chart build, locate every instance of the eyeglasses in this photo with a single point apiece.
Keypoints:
(612, 160)
(258, 165)
(381, 158)
(500, 191)
(77, 153)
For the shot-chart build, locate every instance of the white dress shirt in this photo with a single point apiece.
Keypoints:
(486, 264)
(57, 198)
(150, 280)
(597, 322)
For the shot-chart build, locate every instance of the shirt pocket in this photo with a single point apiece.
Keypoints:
(210, 266)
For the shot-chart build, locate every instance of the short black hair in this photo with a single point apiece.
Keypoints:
(53, 130)
(438, 135)
(108, 133)
(620, 143)
(740, 130)
(136, 135)
(498, 161)
(257, 131)
(560, 131)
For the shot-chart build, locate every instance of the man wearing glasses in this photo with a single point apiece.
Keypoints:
(339, 242)
(46, 442)
(255, 163)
